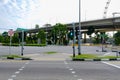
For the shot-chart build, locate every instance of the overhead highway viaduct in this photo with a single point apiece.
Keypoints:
(100, 25)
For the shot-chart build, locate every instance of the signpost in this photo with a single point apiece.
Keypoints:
(22, 31)
(10, 33)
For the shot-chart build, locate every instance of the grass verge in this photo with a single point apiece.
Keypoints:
(15, 56)
(92, 56)
(51, 52)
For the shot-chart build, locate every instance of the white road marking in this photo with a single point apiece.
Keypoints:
(80, 79)
(17, 72)
(65, 62)
(75, 75)
(73, 72)
(23, 67)
(106, 54)
(111, 64)
(20, 69)
(13, 76)
(27, 63)
(70, 69)
(10, 79)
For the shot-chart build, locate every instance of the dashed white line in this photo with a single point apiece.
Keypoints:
(23, 67)
(10, 79)
(75, 76)
(20, 69)
(27, 63)
(70, 69)
(17, 72)
(80, 79)
(65, 62)
(13, 76)
(73, 72)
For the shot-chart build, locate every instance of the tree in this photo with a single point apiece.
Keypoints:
(117, 38)
(6, 38)
(41, 35)
(15, 38)
(96, 38)
(36, 26)
(91, 30)
(59, 32)
(1, 38)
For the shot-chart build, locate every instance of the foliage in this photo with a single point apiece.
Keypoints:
(5, 34)
(51, 52)
(39, 45)
(91, 29)
(36, 26)
(92, 56)
(117, 38)
(42, 36)
(8, 44)
(101, 37)
(58, 33)
(1, 38)
(15, 38)
(13, 44)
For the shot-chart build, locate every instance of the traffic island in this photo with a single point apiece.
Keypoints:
(92, 57)
(15, 57)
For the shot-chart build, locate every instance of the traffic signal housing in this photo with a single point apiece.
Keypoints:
(71, 34)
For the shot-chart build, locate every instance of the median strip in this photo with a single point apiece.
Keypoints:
(92, 57)
(15, 57)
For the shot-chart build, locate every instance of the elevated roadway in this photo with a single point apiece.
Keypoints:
(107, 24)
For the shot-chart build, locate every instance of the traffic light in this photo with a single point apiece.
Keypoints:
(76, 33)
(71, 34)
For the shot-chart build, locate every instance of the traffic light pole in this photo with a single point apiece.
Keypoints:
(22, 47)
(73, 39)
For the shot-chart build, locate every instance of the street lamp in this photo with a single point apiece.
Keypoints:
(113, 23)
(79, 36)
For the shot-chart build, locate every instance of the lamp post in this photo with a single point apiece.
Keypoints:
(113, 23)
(79, 34)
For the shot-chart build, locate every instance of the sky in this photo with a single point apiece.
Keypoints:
(28, 13)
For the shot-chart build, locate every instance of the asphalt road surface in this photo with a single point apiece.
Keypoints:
(59, 49)
(56, 66)
(59, 70)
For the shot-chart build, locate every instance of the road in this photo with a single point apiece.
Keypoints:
(59, 49)
(57, 66)
(59, 70)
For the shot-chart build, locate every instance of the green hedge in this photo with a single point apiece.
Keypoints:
(7, 44)
(35, 44)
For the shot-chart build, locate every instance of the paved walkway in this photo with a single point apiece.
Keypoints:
(49, 57)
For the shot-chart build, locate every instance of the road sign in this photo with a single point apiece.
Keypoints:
(10, 32)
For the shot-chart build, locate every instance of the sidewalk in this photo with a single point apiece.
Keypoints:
(49, 57)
